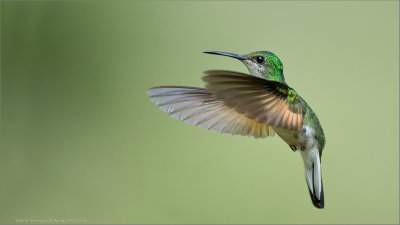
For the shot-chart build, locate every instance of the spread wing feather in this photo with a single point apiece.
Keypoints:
(199, 107)
(264, 101)
(233, 103)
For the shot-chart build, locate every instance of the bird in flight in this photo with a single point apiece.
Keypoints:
(258, 104)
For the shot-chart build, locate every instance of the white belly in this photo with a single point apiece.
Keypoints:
(303, 138)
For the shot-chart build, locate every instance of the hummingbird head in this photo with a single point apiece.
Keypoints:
(261, 64)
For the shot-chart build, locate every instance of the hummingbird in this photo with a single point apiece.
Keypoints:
(258, 104)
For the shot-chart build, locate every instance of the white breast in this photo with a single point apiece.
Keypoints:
(307, 136)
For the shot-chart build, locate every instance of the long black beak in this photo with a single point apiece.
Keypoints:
(236, 56)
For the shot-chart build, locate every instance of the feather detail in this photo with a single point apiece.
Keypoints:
(199, 107)
(264, 101)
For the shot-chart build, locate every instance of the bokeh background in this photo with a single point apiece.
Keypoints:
(82, 143)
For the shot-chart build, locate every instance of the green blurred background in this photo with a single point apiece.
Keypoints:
(81, 141)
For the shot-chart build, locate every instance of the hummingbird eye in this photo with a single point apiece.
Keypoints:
(260, 59)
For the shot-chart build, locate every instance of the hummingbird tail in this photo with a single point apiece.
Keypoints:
(312, 166)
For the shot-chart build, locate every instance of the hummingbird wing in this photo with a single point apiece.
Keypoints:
(263, 101)
(198, 107)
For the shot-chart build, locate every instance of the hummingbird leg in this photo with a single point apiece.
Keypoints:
(293, 147)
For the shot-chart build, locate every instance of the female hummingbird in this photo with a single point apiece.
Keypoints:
(258, 104)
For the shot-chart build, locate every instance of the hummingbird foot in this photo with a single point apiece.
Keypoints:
(302, 148)
(293, 147)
